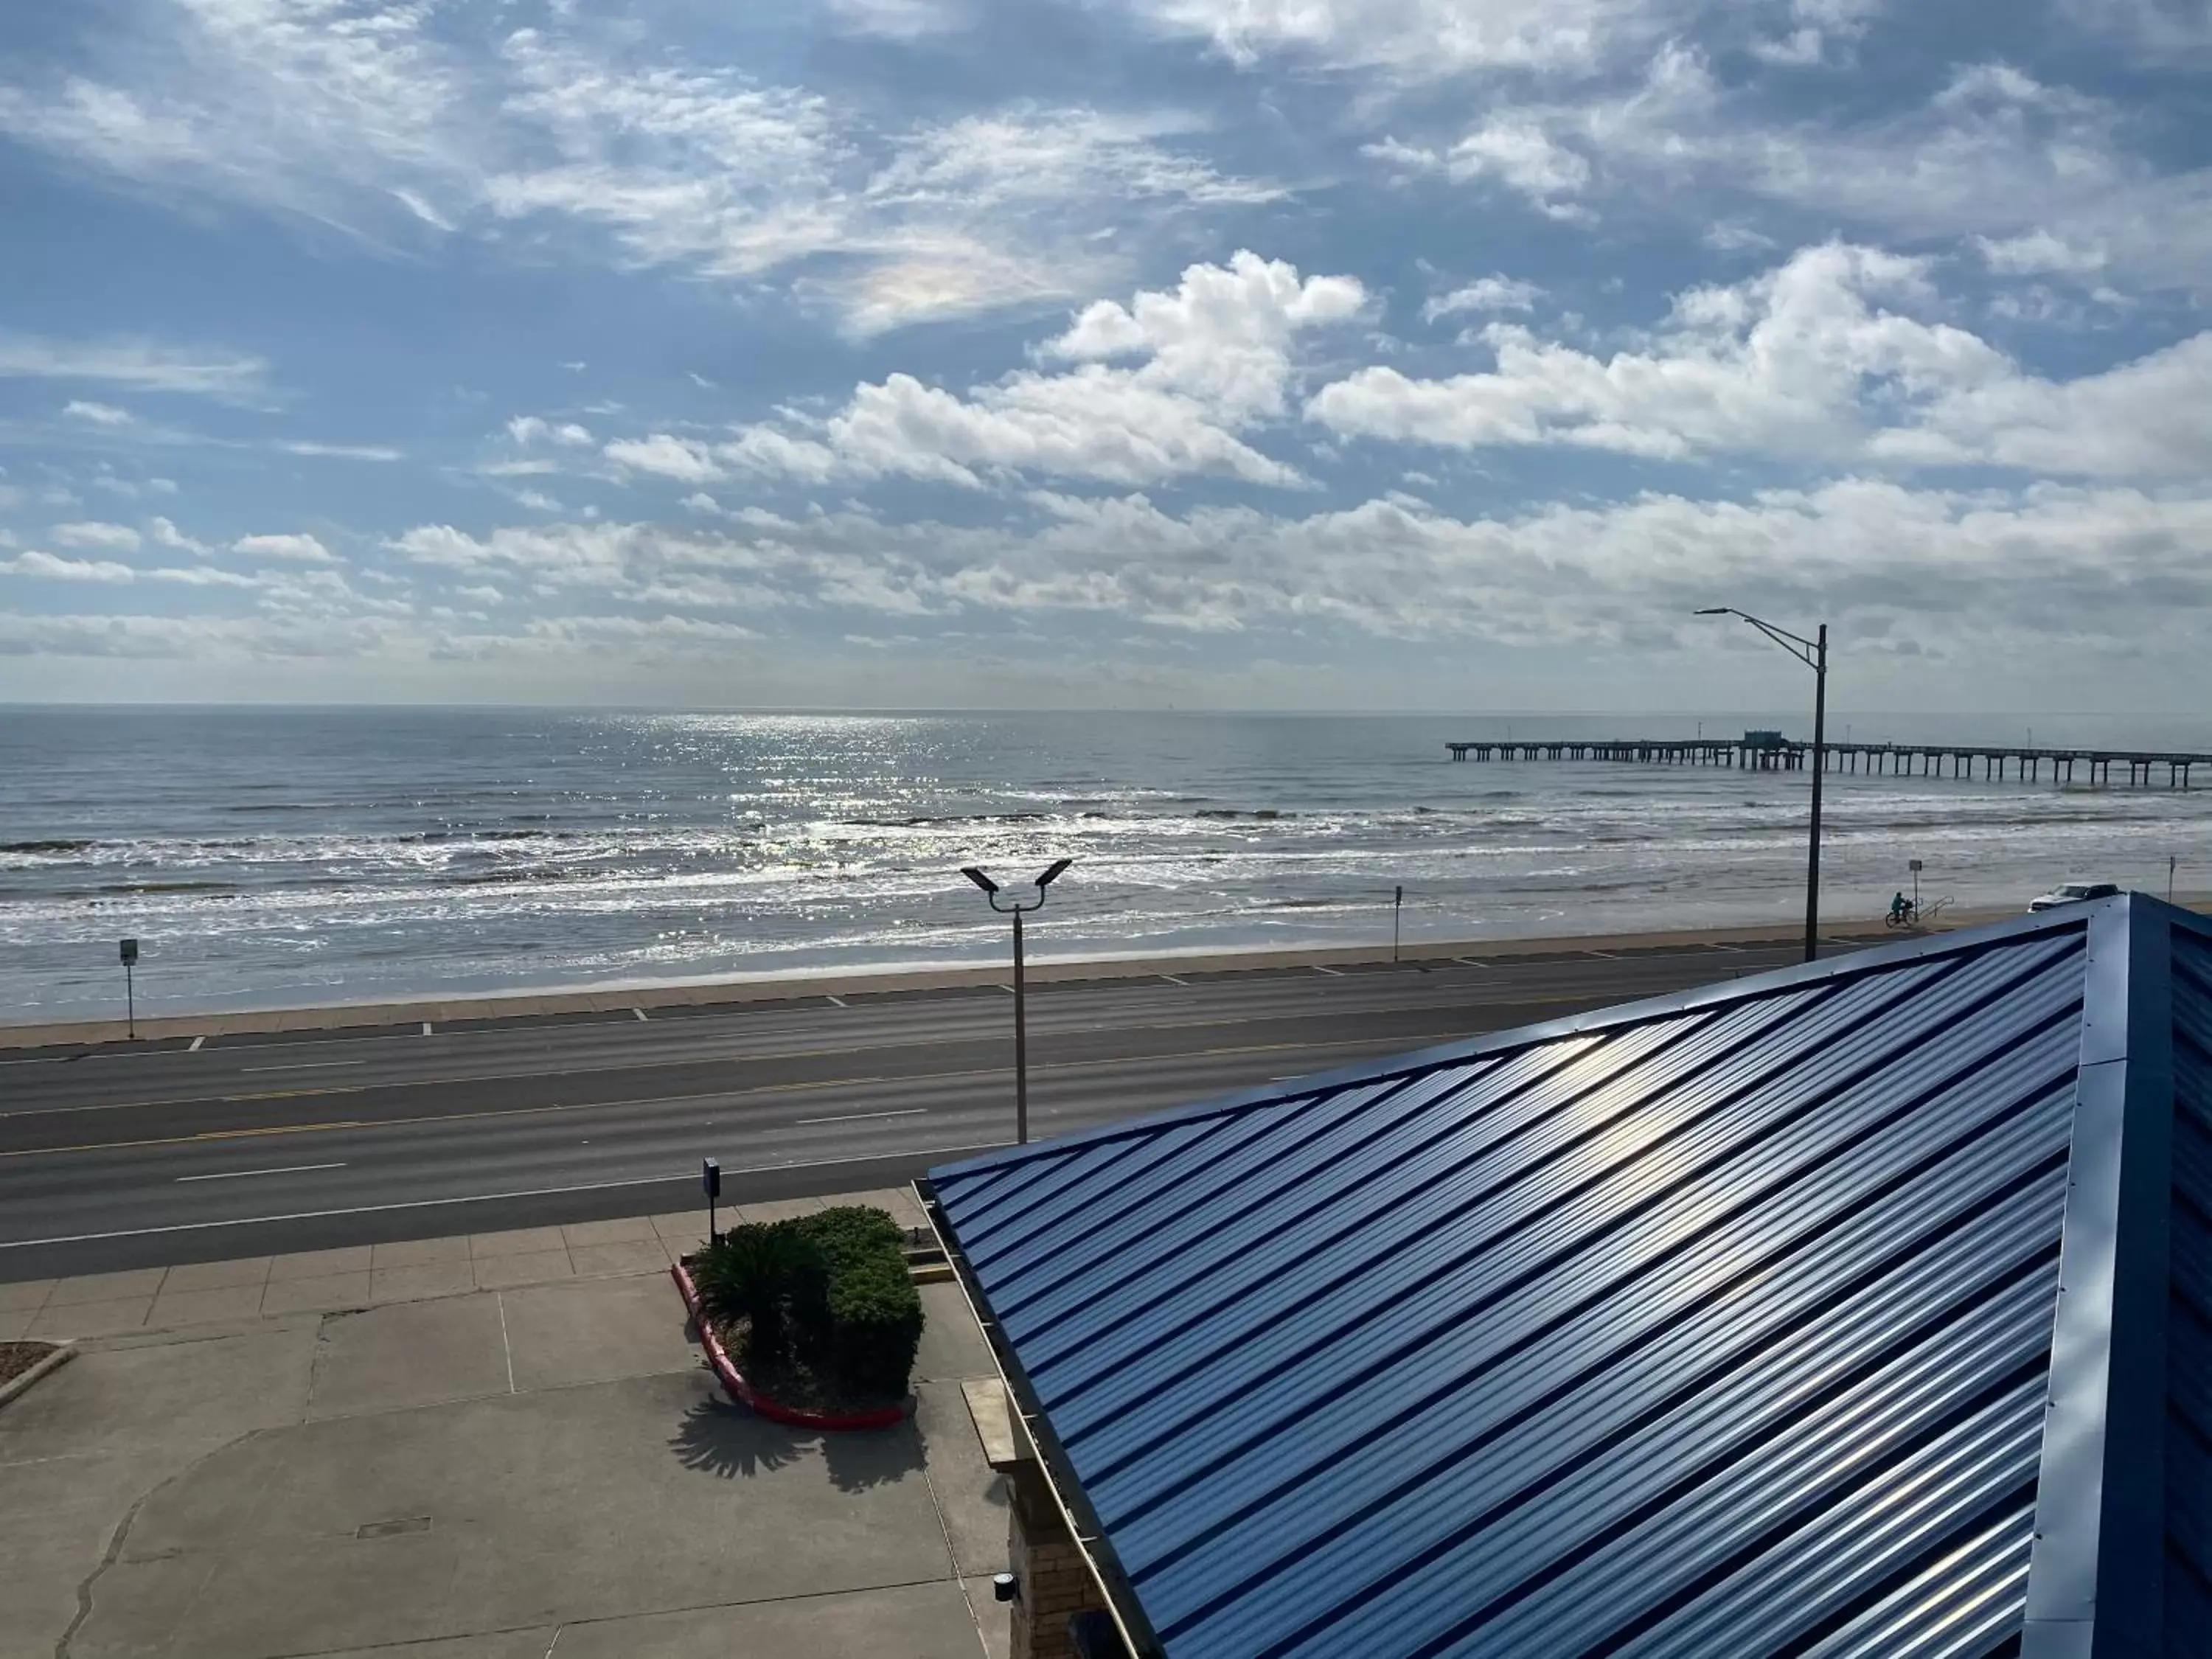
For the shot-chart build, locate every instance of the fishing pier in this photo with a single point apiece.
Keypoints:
(1769, 752)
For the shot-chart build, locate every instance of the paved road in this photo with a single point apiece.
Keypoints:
(246, 1145)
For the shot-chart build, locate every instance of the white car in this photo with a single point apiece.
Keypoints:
(2073, 892)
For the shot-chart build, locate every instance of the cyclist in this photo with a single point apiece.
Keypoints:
(1900, 910)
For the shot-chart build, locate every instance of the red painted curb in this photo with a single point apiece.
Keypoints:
(747, 1395)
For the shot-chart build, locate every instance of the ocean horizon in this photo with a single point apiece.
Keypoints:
(267, 856)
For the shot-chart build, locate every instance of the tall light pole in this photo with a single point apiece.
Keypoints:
(1017, 909)
(1814, 653)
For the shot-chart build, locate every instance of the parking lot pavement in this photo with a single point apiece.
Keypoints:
(475, 1474)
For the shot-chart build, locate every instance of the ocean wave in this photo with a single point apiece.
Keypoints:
(47, 847)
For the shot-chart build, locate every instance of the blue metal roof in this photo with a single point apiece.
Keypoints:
(2188, 1447)
(1718, 1325)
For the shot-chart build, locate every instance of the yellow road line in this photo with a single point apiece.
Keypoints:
(767, 1058)
(665, 1100)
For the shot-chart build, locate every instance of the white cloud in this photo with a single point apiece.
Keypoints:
(166, 534)
(47, 567)
(344, 113)
(204, 575)
(1514, 150)
(529, 429)
(121, 537)
(665, 457)
(1214, 357)
(902, 20)
(394, 121)
(144, 364)
(341, 452)
(1807, 362)
(1485, 293)
(2039, 253)
(1419, 38)
(98, 414)
(297, 549)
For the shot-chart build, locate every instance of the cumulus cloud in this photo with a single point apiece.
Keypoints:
(97, 414)
(120, 538)
(166, 534)
(1820, 359)
(47, 567)
(298, 548)
(1422, 38)
(530, 429)
(1160, 388)
(1485, 293)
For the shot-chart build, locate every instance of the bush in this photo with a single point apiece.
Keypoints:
(756, 1273)
(831, 1288)
(875, 1325)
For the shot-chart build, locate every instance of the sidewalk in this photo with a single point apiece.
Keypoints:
(479, 1448)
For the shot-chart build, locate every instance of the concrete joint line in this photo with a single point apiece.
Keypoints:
(507, 1348)
(121, 1536)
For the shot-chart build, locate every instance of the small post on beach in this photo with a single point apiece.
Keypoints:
(710, 1179)
(1915, 868)
(130, 991)
(2169, 878)
(1397, 903)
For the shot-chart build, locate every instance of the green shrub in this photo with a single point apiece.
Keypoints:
(875, 1325)
(758, 1272)
(853, 1234)
(832, 1288)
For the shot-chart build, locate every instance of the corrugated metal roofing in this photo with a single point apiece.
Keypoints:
(1710, 1326)
(2189, 1314)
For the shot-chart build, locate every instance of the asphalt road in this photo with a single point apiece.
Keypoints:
(122, 1158)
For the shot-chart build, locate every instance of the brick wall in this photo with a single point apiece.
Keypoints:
(1048, 1566)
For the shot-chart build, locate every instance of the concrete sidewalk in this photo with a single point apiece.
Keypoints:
(477, 1471)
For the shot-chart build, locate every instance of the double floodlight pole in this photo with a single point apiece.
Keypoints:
(1814, 653)
(1017, 909)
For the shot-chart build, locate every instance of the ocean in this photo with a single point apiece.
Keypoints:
(275, 857)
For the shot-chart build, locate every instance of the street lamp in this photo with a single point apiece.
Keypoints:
(1814, 653)
(1015, 908)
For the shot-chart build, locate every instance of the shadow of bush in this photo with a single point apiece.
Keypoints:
(718, 1438)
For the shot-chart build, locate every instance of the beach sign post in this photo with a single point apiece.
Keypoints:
(130, 953)
(1397, 903)
(1915, 867)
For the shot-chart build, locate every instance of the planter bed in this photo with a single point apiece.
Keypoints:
(757, 1399)
(22, 1363)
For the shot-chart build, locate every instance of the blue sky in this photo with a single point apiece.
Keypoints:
(1236, 352)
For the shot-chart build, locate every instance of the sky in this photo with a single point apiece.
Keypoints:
(1256, 354)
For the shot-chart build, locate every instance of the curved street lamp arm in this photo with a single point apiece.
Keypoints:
(1796, 644)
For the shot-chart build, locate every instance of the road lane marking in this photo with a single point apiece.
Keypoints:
(836, 1002)
(493, 1197)
(641, 1019)
(240, 1174)
(195, 1049)
(1333, 972)
(862, 1117)
(426, 1028)
(1472, 962)
(306, 1066)
(814, 1084)
(1448, 1003)
(1172, 979)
